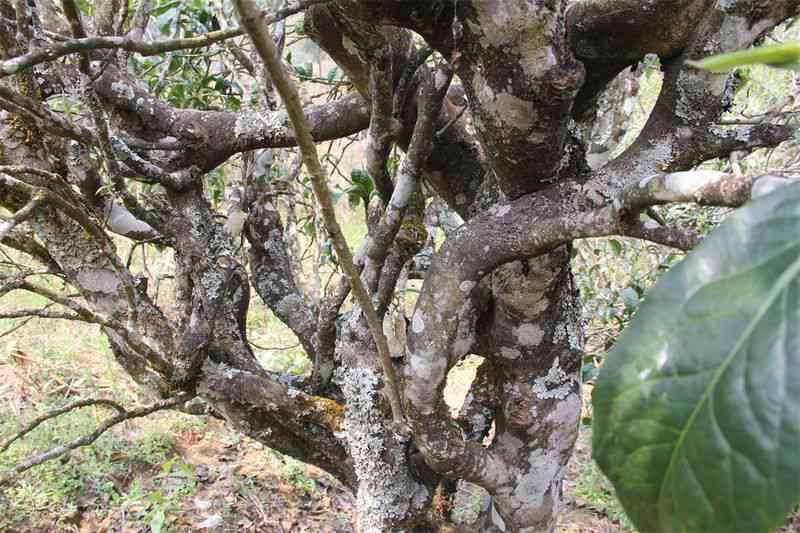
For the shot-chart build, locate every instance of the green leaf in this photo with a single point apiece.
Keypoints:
(785, 55)
(697, 409)
(163, 8)
(332, 73)
(158, 521)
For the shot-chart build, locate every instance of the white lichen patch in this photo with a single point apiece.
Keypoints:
(418, 322)
(545, 59)
(652, 158)
(261, 124)
(386, 493)
(529, 334)
(123, 89)
(556, 384)
(544, 473)
(510, 353)
(466, 286)
(502, 210)
(349, 45)
(515, 111)
(428, 369)
(564, 417)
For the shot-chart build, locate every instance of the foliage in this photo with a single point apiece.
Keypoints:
(696, 408)
(709, 370)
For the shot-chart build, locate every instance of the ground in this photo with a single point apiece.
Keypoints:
(175, 472)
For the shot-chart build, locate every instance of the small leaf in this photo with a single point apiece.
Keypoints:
(785, 55)
(160, 10)
(616, 246)
(697, 407)
(158, 521)
(332, 73)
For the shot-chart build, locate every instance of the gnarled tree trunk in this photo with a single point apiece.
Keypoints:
(500, 146)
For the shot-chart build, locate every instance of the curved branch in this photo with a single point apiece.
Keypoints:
(121, 416)
(527, 227)
(72, 46)
(192, 136)
(20, 216)
(610, 35)
(703, 187)
(33, 424)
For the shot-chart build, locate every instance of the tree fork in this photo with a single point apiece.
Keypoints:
(262, 40)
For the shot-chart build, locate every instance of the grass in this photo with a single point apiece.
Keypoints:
(591, 489)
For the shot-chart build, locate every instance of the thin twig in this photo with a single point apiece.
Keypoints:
(72, 46)
(36, 422)
(276, 349)
(20, 216)
(85, 440)
(16, 327)
(451, 122)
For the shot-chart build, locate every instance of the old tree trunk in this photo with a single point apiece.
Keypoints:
(492, 104)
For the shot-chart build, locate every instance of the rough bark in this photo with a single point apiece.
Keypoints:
(500, 149)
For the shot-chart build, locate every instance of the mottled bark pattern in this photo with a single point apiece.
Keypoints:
(499, 154)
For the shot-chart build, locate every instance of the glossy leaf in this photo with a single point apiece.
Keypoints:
(697, 408)
(786, 55)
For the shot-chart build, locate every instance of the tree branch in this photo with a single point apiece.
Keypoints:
(20, 216)
(43, 313)
(72, 46)
(381, 238)
(673, 237)
(43, 118)
(381, 126)
(266, 49)
(33, 424)
(703, 187)
(53, 453)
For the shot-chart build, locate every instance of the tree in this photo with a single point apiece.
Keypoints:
(90, 154)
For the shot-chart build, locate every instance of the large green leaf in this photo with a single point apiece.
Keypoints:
(786, 55)
(697, 409)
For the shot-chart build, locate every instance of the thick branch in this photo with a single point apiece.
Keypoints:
(193, 138)
(610, 35)
(703, 187)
